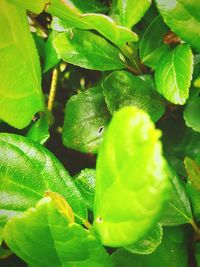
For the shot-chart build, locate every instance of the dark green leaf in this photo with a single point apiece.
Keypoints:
(122, 88)
(85, 182)
(44, 236)
(129, 12)
(192, 114)
(171, 253)
(88, 50)
(174, 73)
(193, 171)
(152, 47)
(51, 57)
(27, 171)
(92, 6)
(197, 254)
(194, 197)
(86, 117)
(131, 182)
(39, 131)
(178, 210)
(183, 17)
(20, 84)
(149, 242)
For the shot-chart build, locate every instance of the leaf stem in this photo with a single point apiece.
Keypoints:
(195, 227)
(53, 87)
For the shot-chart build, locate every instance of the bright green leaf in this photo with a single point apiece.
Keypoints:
(39, 131)
(20, 84)
(178, 209)
(131, 182)
(171, 253)
(27, 171)
(43, 236)
(128, 12)
(85, 182)
(88, 50)
(122, 88)
(174, 73)
(149, 242)
(86, 117)
(152, 47)
(192, 114)
(183, 17)
(36, 6)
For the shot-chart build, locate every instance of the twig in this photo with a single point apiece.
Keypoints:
(52, 93)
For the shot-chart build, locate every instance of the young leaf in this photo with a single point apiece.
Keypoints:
(128, 12)
(28, 170)
(20, 84)
(85, 182)
(178, 209)
(174, 73)
(122, 88)
(86, 117)
(171, 253)
(152, 48)
(183, 17)
(39, 131)
(192, 114)
(193, 171)
(44, 236)
(149, 243)
(131, 182)
(98, 54)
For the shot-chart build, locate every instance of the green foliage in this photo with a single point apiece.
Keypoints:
(100, 133)
(142, 192)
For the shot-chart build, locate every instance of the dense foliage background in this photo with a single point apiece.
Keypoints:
(99, 133)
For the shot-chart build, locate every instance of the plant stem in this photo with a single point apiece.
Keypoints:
(52, 93)
(196, 228)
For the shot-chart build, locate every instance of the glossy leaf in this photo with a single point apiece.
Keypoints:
(28, 170)
(39, 131)
(149, 243)
(152, 48)
(86, 117)
(183, 17)
(122, 88)
(174, 73)
(192, 114)
(85, 182)
(44, 236)
(131, 182)
(20, 84)
(129, 12)
(178, 209)
(73, 47)
(171, 253)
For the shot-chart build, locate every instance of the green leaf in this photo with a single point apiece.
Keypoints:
(193, 171)
(149, 243)
(129, 12)
(20, 84)
(28, 170)
(178, 209)
(171, 253)
(88, 50)
(194, 197)
(183, 17)
(36, 6)
(74, 18)
(174, 73)
(51, 57)
(92, 6)
(85, 182)
(152, 48)
(131, 182)
(122, 88)
(44, 236)
(86, 117)
(39, 131)
(192, 114)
